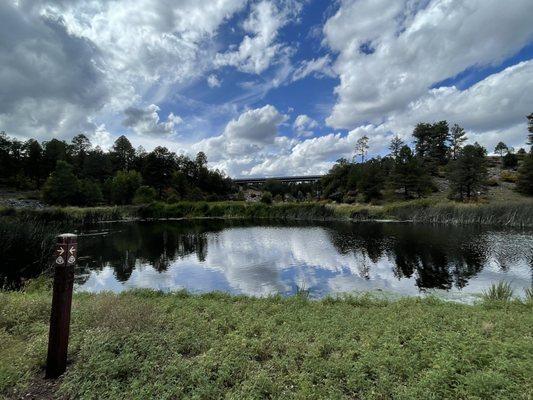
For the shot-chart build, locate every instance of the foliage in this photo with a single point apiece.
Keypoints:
(144, 344)
(89, 193)
(501, 149)
(500, 291)
(266, 198)
(468, 173)
(26, 165)
(409, 174)
(509, 176)
(456, 139)
(510, 160)
(62, 187)
(431, 143)
(525, 176)
(144, 195)
(124, 185)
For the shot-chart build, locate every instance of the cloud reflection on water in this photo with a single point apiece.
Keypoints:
(334, 258)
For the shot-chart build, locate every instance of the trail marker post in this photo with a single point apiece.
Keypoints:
(65, 258)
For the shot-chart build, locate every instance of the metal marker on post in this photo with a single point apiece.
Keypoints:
(65, 258)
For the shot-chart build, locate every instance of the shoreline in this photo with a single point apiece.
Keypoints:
(512, 214)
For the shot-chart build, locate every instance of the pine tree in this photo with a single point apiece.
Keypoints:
(468, 173)
(62, 187)
(457, 138)
(409, 174)
(525, 176)
(501, 148)
(530, 129)
(395, 146)
(361, 147)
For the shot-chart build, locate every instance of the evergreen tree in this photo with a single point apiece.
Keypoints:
(371, 181)
(530, 129)
(123, 154)
(525, 175)
(468, 173)
(97, 165)
(78, 150)
(53, 151)
(10, 157)
(409, 174)
(457, 139)
(33, 161)
(501, 149)
(158, 167)
(361, 147)
(396, 144)
(510, 160)
(431, 143)
(62, 187)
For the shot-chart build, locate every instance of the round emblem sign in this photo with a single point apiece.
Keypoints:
(59, 260)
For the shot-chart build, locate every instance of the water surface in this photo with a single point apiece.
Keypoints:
(265, 259)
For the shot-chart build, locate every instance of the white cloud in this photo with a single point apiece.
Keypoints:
(304, 124)
(318, 67)
(258, 126)
(67, 63)
(246, 140)
(396, 51)
(258, 48)
(213, 81)
(101, 138)
(146, 121)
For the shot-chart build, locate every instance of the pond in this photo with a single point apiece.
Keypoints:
(261, 259)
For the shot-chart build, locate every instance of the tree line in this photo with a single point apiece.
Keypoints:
(78, 173)
(439, 151)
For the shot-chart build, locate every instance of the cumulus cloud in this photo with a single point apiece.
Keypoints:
(146, 121)
(101, 138)
(50, 79)
(259, 48)
(64, 62)
(246, 140)
(213, 81)
(397, 51)
(304, 125)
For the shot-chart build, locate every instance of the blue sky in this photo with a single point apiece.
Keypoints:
(265, 87)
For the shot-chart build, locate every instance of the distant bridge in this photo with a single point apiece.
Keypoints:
(282, 179)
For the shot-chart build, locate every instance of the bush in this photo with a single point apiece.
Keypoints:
(510, 161)
(89, 194)
(266, 198)
(509, 176)
(124, 185)
(62, 187)
(144, 195)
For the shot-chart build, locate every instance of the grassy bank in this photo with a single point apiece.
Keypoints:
(142, 344)
(510, 213)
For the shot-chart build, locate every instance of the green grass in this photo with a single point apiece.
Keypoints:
(510, 213)
(144, 344)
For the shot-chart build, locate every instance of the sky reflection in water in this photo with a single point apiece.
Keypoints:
(265, 259)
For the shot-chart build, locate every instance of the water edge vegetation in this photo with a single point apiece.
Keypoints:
(145, 344)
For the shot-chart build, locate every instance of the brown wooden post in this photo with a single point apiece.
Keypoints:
(65, 259)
